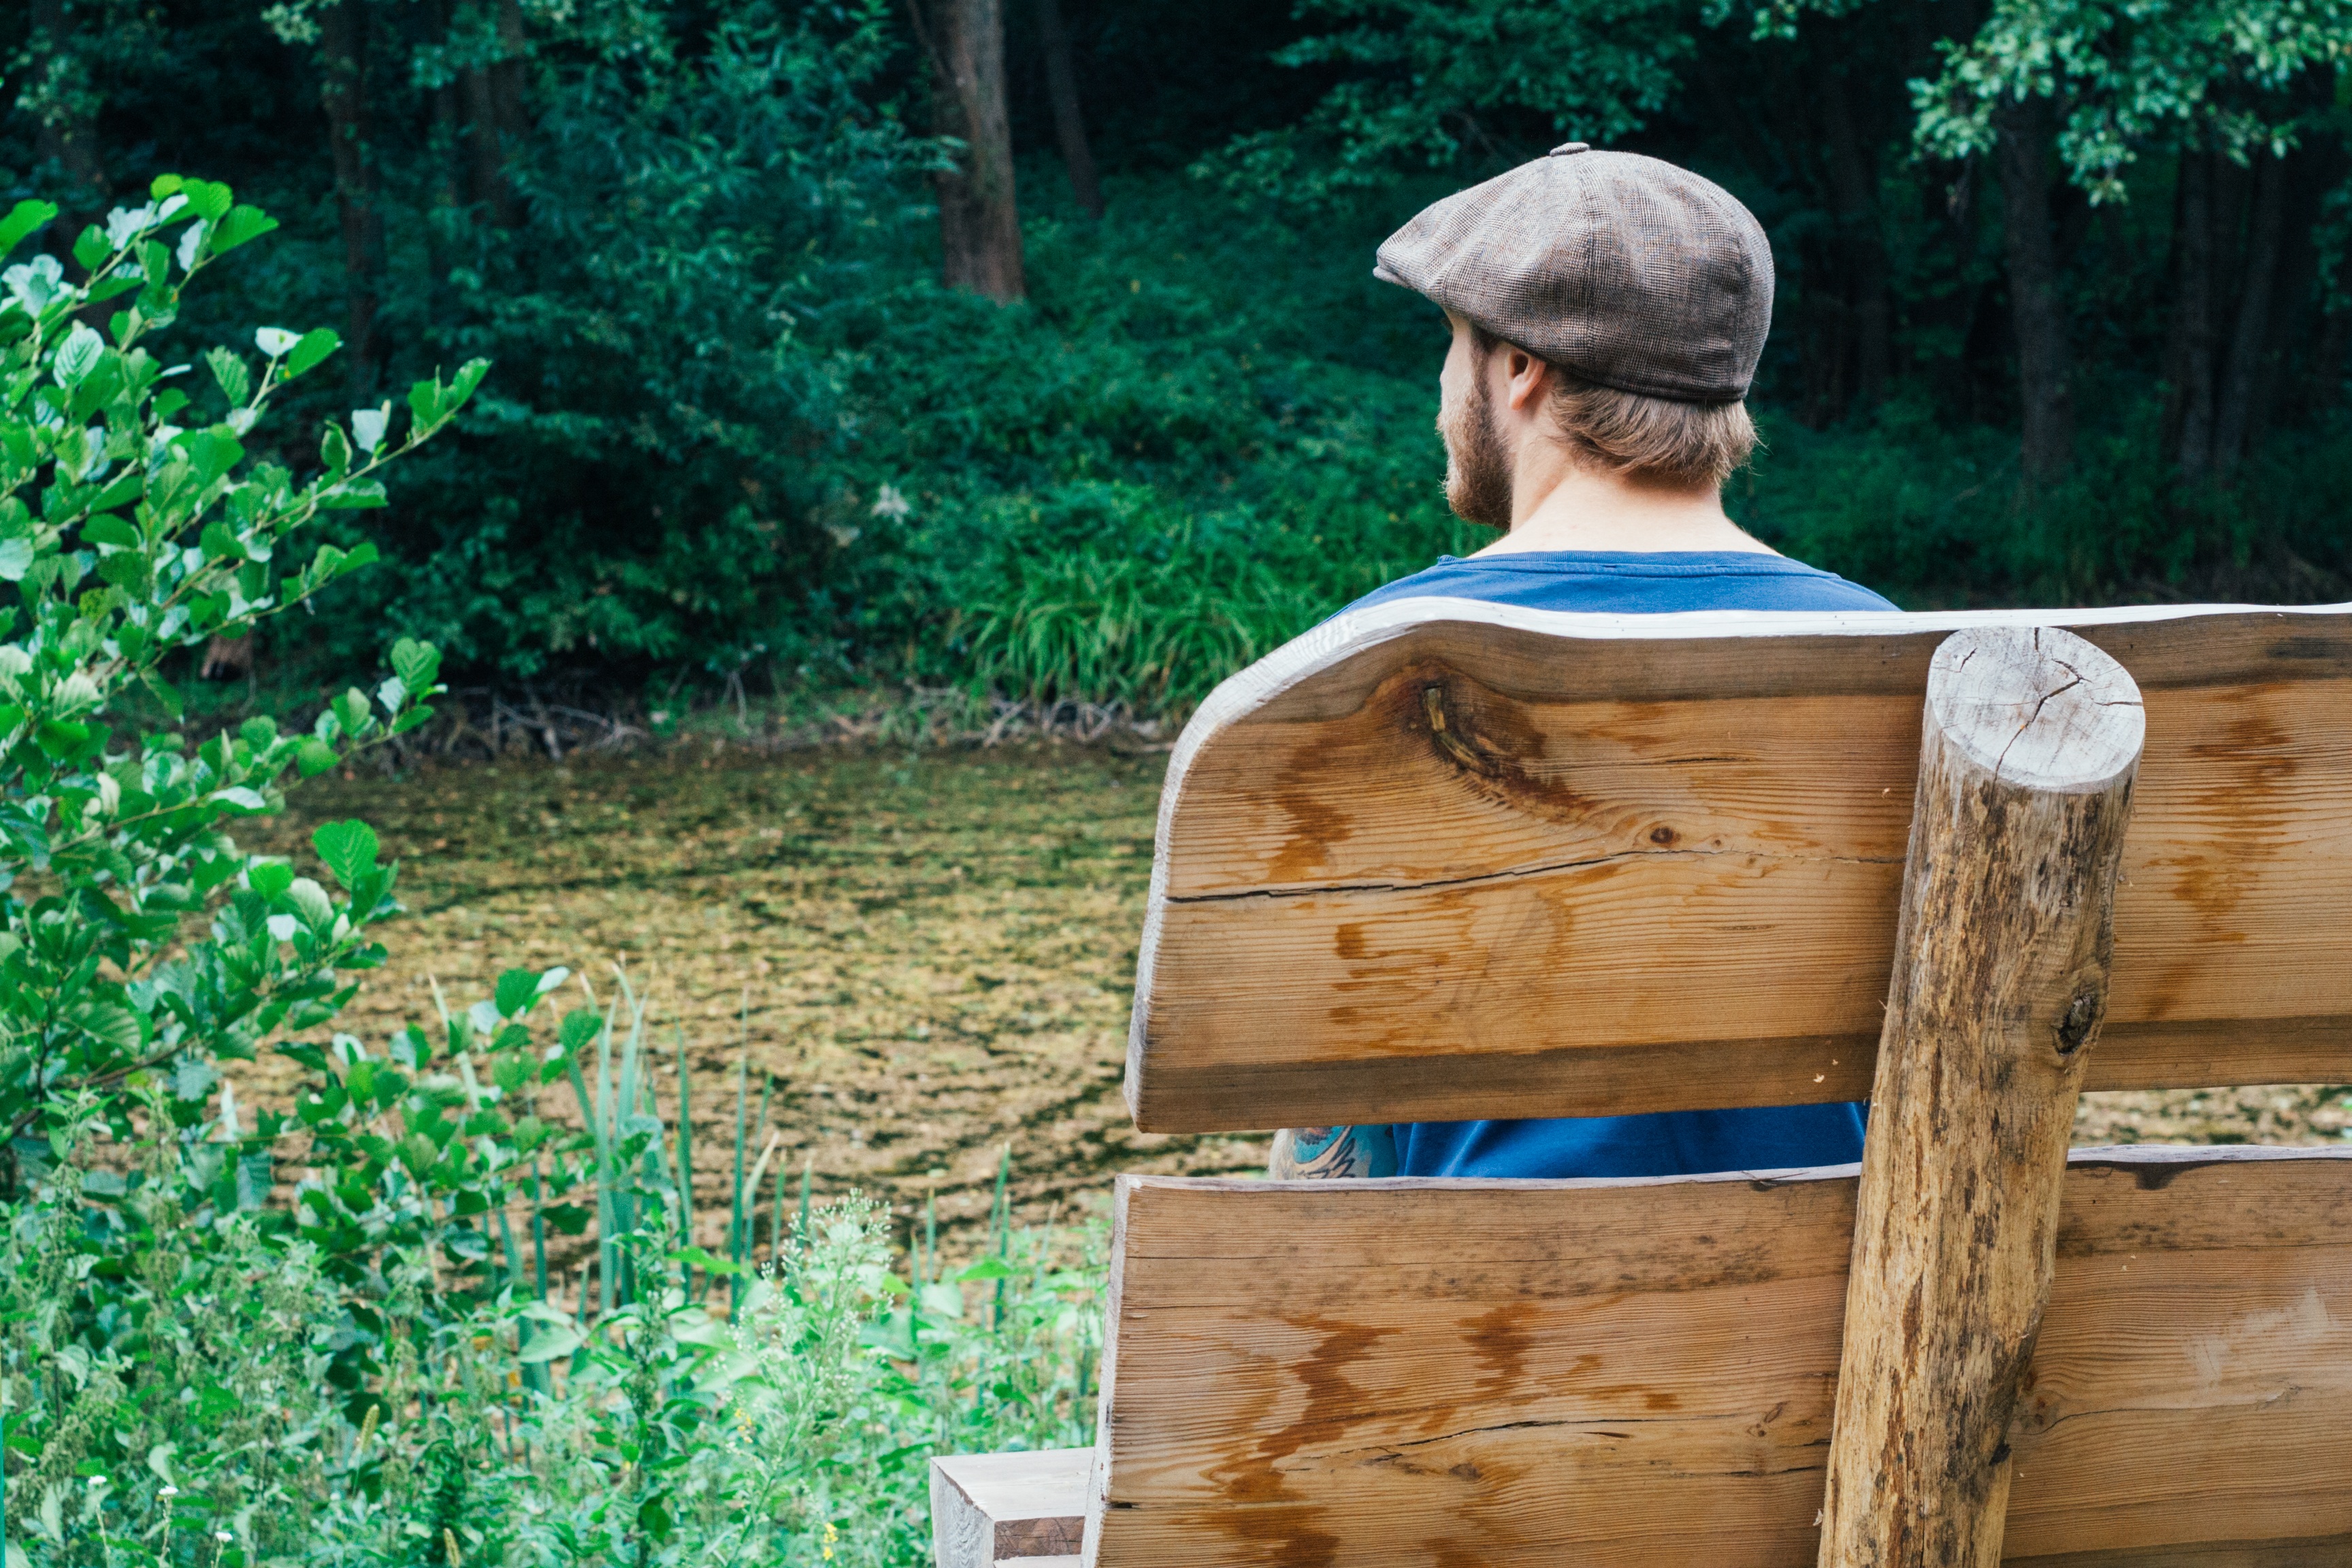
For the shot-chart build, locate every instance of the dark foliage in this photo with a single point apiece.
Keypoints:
(738, 433)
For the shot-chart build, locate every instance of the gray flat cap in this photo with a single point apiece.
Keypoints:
(1625, 270)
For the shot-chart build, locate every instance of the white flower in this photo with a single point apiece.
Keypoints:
(890, 503)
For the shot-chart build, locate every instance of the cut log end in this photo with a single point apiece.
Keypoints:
(2036, 707)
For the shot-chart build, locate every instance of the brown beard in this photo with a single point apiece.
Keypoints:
(1477, 468)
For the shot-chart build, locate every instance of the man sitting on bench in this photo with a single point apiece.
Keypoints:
(1608, 313)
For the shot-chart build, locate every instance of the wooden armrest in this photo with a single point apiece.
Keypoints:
(1029, 1509)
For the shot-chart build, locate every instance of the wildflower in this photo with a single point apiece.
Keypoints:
(222, 1536)
(831, 1535)
(169, 1491)
(893, 505)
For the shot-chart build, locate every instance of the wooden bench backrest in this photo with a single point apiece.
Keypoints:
(1442, 859)
(1640, 1374)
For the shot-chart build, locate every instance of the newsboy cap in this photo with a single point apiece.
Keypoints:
(1623, 270)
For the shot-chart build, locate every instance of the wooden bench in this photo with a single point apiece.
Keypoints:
(1442, 859)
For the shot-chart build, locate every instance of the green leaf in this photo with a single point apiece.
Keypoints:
(78, 355)
(549, 1342)
(313, 757)
(164, 185)
(23, 219)
(242, 225)
(128, 569)
(314, 346)
(352, 712)
(127, 486)
(703, 1260)
(310, 904)
(117, 1026)
(108, 529)
(987, 1269)
(61, 739)
(418, 664)
(211, 453)
(271, 878)
(209, 201)
(91, 249)
(335, 451)
(164, 691)
(236, 380)
(578, 1028)
(424, 402)
(356, 496)
(219, 544)
(517, 989)
(348, 850)
(15, 559)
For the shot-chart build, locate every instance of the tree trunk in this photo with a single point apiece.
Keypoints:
(1069, 124)
(2250, 341)
(2045, 367)
(506, 85)
(980, 222)
(2030, 741)
(1855, 190)
(488, 104)
(2189, 354)
(65, 106)
(343, 42)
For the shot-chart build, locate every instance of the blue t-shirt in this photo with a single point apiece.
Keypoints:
(1675, 1142)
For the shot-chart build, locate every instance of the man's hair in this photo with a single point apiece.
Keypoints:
(1687, 445)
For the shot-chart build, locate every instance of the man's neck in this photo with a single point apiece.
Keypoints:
(1560, 505)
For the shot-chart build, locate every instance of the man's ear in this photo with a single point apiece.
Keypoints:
(1526, 375)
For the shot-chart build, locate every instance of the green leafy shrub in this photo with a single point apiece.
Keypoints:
(131, 537)
(379, 1374)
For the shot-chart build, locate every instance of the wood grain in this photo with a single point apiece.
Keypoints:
(1654, 862)
(2028, 743)
(992, 1508)
(1637, 1374)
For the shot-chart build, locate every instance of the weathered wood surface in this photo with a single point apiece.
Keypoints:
(988, 1508)
(1454, 1373)
(1442, 859)
(2028, 743)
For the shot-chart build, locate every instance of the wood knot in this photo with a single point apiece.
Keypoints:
(1457, 748)
(2082, 1020)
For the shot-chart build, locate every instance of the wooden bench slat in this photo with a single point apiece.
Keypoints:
(1357, 918)
(1025, 1507)
(1642, 1372)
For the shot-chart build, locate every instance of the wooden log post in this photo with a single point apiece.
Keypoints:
(2029, 745)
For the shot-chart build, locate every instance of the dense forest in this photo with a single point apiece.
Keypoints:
(1033, 344)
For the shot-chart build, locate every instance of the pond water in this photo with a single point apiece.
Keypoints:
(926, 958)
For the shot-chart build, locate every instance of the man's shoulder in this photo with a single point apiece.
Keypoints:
(1628, 582)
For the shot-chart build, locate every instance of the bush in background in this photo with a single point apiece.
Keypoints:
(231, 1337)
